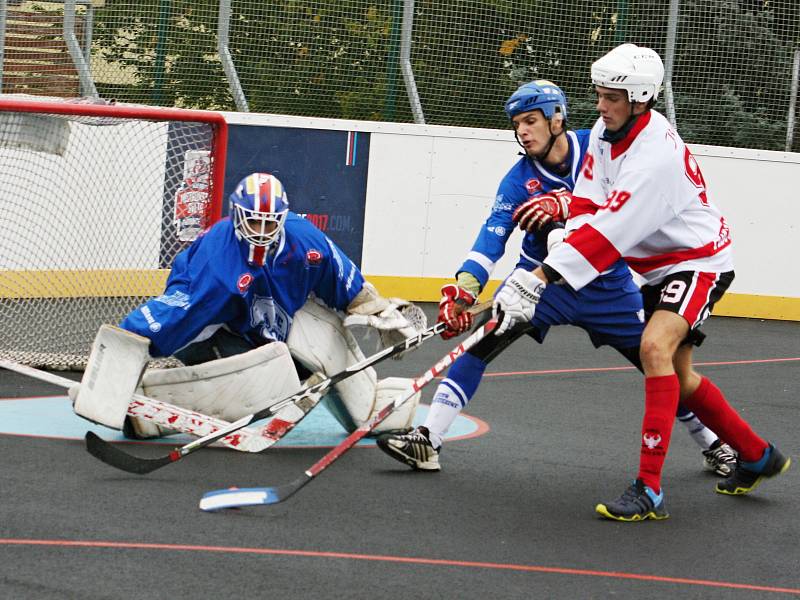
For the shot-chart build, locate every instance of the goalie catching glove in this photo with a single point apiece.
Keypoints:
(545, 208)
(517, 299)
(394, 318)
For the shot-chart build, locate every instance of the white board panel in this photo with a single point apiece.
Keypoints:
(464, 180)
(396, 218)
(759, 198)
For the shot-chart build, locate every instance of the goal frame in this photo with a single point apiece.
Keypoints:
(86, 289)
(126, 111)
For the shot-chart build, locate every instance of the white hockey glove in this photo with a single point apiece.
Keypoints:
(555, 238)
(517, 299)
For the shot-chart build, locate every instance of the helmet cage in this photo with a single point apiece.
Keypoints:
(258, 209)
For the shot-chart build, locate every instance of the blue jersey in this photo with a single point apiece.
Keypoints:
(212, 284)
(527, 178)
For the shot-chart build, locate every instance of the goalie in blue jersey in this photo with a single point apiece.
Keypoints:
(535, 195)
(256, 304)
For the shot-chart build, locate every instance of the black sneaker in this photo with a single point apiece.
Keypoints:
(744, 480)
(637, 503)
(413, 448)
(720, 458)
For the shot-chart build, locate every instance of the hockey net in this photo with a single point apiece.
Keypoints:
(95, 202)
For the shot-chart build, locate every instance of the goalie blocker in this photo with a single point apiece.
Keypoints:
(239, 385)
(112, 373)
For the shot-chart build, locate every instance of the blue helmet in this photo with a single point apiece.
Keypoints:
(258, 208)
(537, 95)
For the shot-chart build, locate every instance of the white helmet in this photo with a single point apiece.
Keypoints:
(637, 69)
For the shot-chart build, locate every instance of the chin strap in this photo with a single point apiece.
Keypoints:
(615, 136)
(551, 142)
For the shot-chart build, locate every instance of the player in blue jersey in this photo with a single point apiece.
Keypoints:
(535, 195)
(259, 292)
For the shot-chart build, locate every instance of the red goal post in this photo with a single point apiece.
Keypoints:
(96, 199)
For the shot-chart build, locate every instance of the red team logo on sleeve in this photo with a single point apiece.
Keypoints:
(314, 257)
(245, 279)
(533, 185)
(588, 166)
(695, 175)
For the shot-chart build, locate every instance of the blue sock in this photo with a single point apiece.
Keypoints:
(453, 394)
(466, 373)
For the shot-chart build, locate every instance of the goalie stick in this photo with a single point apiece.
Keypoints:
(235, 498)
(164, 414)
(305, 400)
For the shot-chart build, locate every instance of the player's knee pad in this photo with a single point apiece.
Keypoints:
(228, 388)
(115, 365)
(320, 342)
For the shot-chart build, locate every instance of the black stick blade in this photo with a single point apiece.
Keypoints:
(111, 455)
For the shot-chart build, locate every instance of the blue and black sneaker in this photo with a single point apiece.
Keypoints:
(747, 476)
(637, 503)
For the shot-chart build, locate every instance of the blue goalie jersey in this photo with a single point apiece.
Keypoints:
(212, 284)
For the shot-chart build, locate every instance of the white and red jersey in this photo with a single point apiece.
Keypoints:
(642, 198)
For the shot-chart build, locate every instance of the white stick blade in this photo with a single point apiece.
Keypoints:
(232, 498)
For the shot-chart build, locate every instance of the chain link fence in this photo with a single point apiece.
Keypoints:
(733, 63)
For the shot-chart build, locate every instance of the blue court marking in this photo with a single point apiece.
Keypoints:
(52, 417)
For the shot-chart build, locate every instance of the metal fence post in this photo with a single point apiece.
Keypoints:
(405, 62)
(792, 101)
(393, 62)
(159, 65)
(669, 62)
(3, 11)
(223, 28)
(84, 74)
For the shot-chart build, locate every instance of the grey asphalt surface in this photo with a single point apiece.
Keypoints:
(511, 515)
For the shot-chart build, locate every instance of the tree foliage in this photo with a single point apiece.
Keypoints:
(340, 58)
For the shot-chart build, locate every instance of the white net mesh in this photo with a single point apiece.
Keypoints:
(92, 213)
(732, 58)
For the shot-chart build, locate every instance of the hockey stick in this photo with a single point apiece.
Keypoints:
(305, 399)
(162, 413)
(234, 498)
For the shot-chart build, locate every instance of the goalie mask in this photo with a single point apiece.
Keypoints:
(258, 209)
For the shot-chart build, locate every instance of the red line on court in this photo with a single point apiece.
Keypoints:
(632, 368)
(397, 559)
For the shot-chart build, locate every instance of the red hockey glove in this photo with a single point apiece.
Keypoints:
(542, 209)
(452, 310)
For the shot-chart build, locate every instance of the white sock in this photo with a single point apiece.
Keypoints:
(701, 434)
(444, 409)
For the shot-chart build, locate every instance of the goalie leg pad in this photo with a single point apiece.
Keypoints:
(228, 388)
(387, 392)
(320, 342)
(115, 365)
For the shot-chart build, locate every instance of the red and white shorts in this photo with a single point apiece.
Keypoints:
(690, 294)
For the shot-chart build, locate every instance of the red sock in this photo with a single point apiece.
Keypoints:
(710, 406)
(661, 395)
